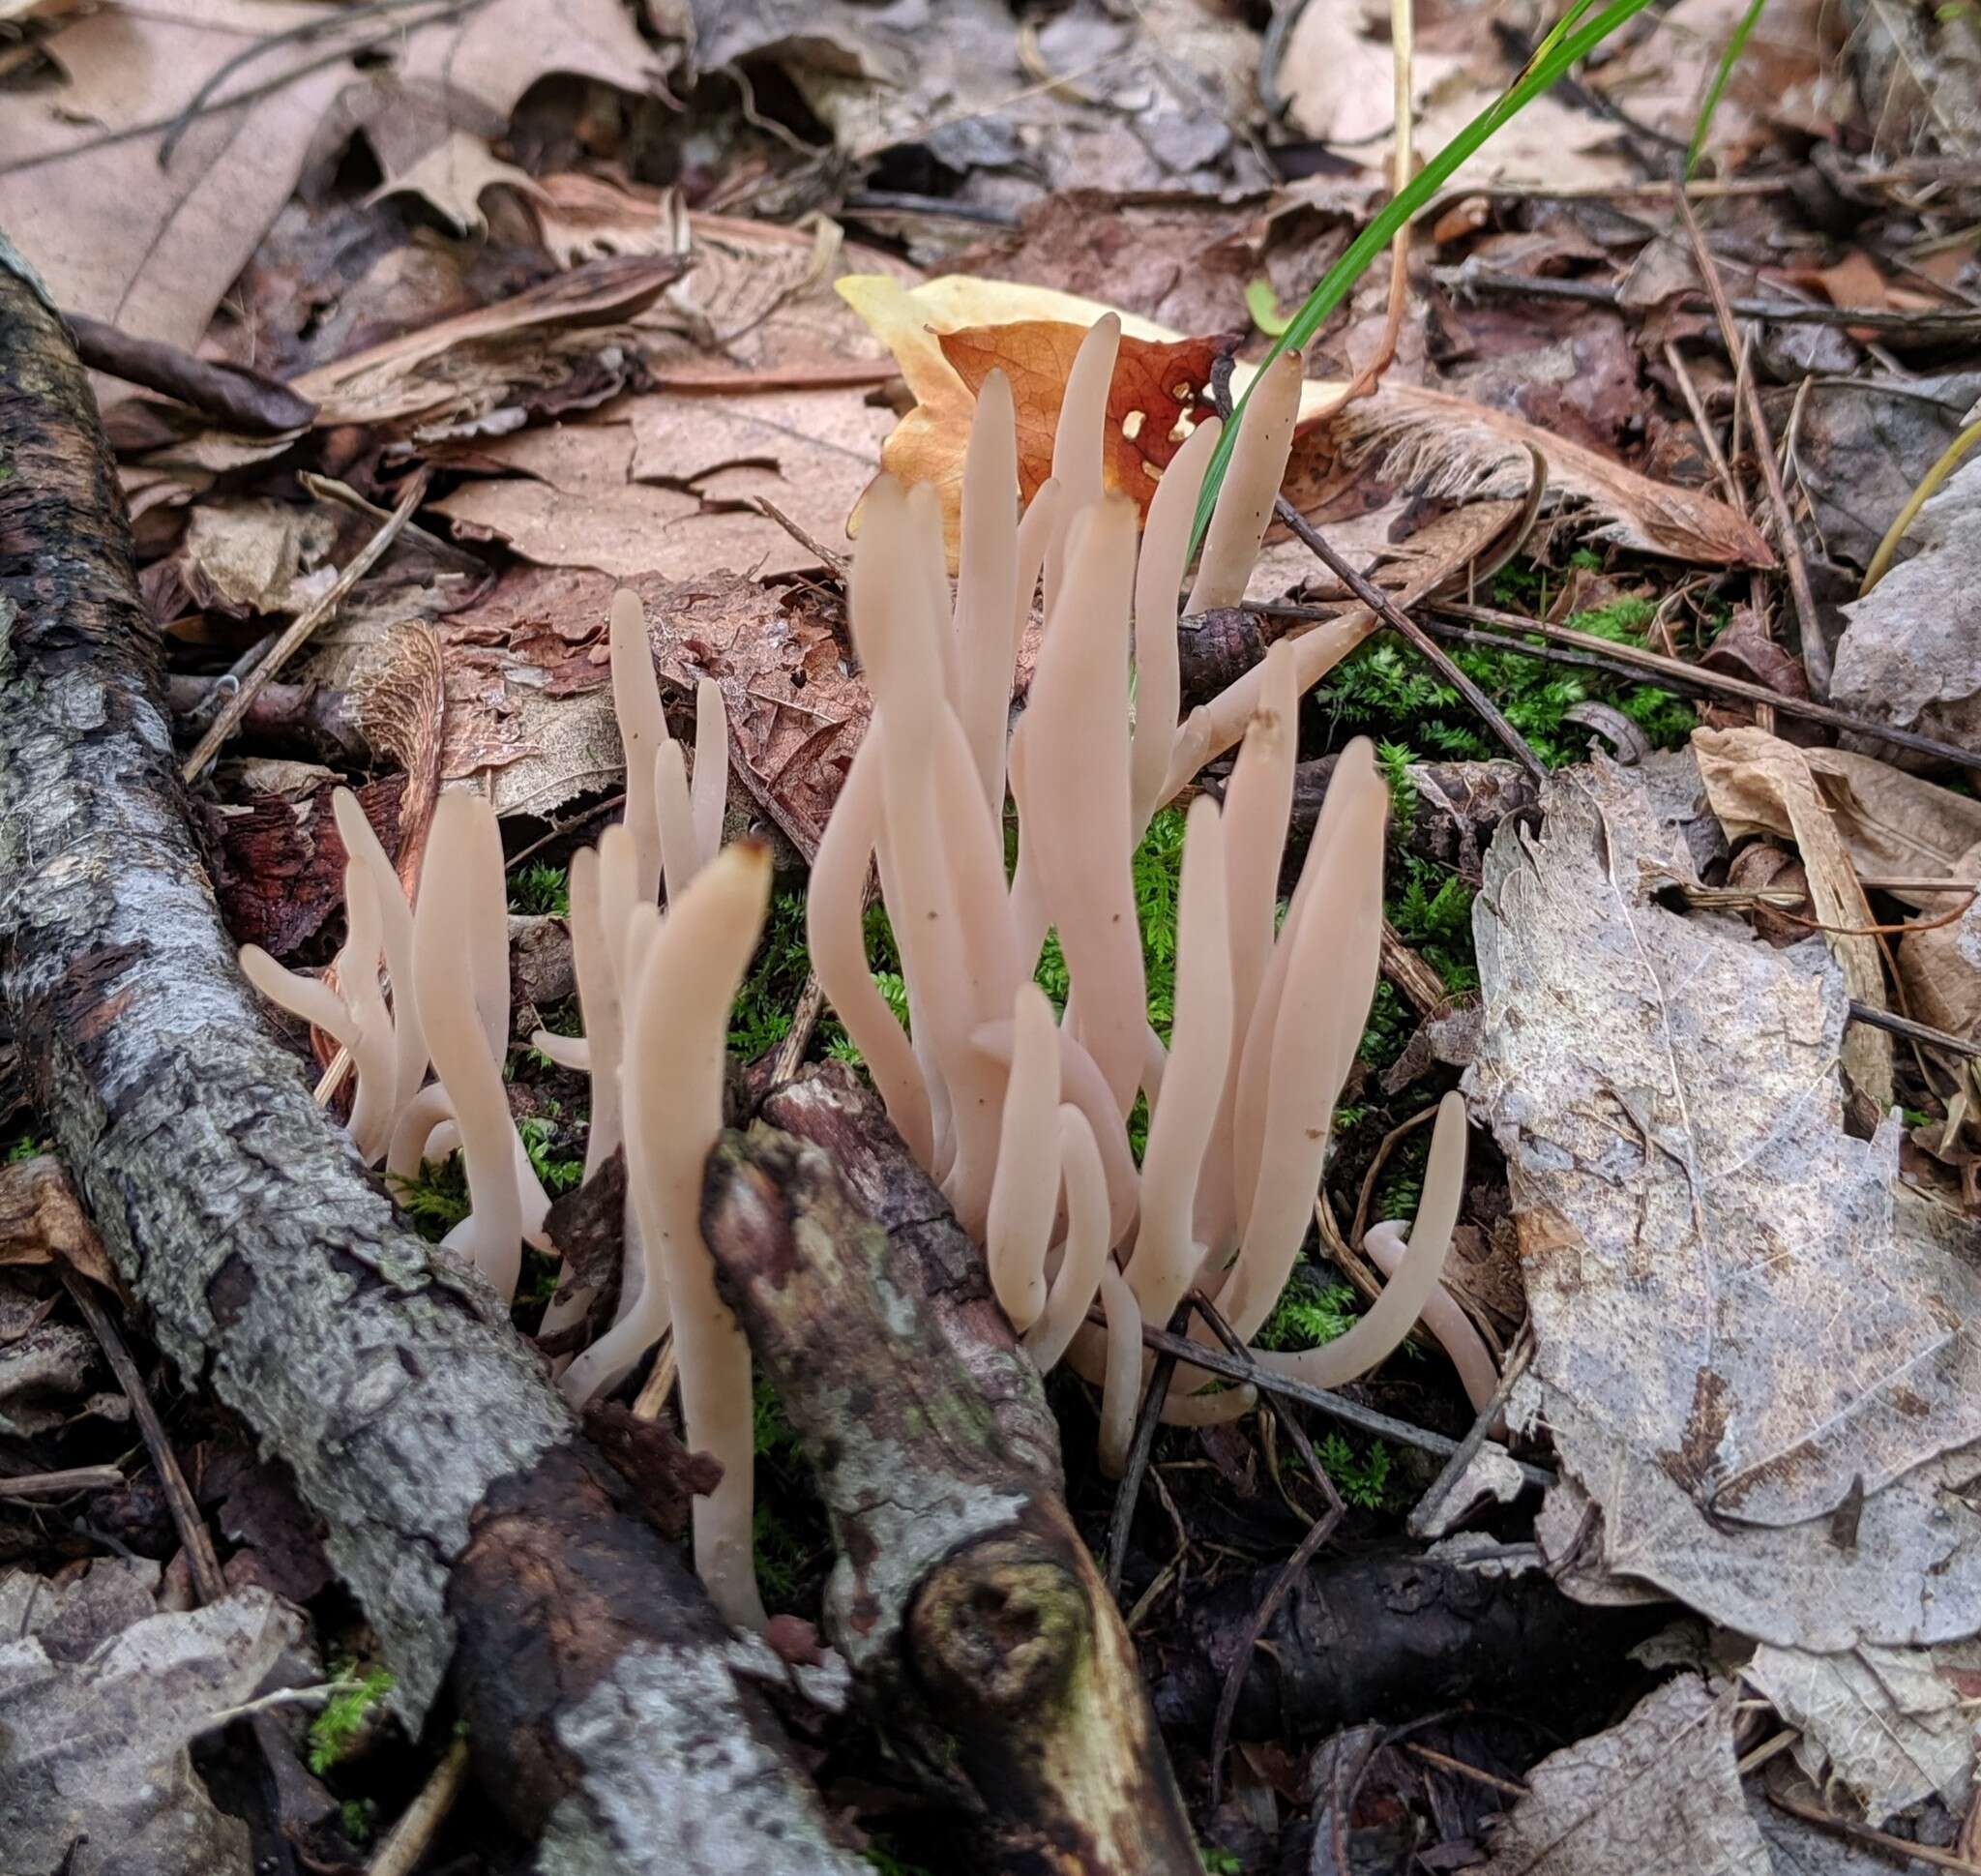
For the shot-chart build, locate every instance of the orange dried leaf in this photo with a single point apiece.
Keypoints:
(1158, 395)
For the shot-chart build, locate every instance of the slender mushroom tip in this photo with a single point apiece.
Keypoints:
(628, 614)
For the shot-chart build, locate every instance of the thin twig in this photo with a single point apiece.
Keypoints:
(1365, 1419)
(1470, 277)
(1815, 651)
(301, 627)
(1424, 1515)
(1444, 1762)
(835, 564)
(804, 1021)
(1850, 1827)
(1674, 359)
(1922, 1032)
(281, 1697)
(1394, 616)
(55, 1485)
(1291, 1573)
(1682, 676)
(200, 1556)
(1141, 1446)
(409, 1838)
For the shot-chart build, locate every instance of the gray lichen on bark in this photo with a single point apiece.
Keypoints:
(662, 1724)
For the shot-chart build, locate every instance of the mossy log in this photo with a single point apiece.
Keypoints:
(480, 1534)
(973, 1617)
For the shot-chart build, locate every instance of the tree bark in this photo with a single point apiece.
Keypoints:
(970, 1612)
(468, 1520)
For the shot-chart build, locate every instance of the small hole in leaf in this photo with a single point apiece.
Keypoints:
(1130, 425)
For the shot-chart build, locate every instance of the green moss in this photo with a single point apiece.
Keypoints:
(358, 1817)
(1362, 1479)
(337, 1726)
(27, 1146)
(1386, 691)
(1308, 1313)
(437, 1200)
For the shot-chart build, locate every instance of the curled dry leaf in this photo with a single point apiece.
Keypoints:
(453, 175)
(1755, 783)
(1456, 447)
(400, 704)
(460, 369)
(41, 1219)
(1893, 1726)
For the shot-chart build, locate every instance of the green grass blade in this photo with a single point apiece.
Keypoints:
(1573, 37)
(1728, 59)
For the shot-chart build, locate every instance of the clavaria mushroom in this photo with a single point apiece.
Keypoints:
(655, 993)
(1018, 1113)
(1019, 1116)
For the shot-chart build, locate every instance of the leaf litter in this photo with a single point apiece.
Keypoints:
(650, 293)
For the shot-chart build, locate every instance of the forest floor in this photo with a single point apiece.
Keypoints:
(1693, 922)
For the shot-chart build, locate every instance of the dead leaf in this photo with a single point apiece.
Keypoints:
(245, 554)
(98, 1737)
(1160, 391)
(1150, 99)
(1457, 448)
(41, 1219)
(1740, 1310)
(795, 715)
(401, 707)
(665, 485)
(1893, 1726)
(1755, 781)
(1862, 446)
(1896, 826)
(1336, 74)
(462, 369)
(1658, 1791)
(486, 56)
(1908, 655)
(152, 247)
(280, 865)
(576, 504)
(451, 176)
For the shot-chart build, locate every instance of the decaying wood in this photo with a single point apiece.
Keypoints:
(1392, 1633)
(477, 1531)
(970, 1612)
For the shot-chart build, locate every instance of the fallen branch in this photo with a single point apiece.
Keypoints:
(970, 1612)
(478, 1533)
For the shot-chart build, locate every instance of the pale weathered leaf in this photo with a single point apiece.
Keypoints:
(152, 246)
(1657, 1791)
(1910, 655)
(97, 1736)
(1743, 1318)
(1891, 1725)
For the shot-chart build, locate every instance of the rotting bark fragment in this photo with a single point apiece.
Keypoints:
(973, 1617)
